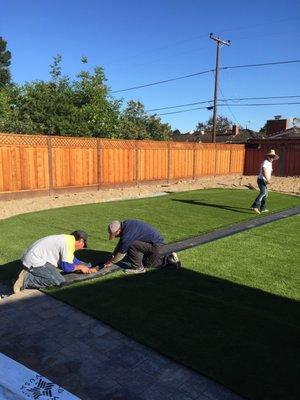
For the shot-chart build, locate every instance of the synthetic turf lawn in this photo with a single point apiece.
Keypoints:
(230, 313)
(176, 215)
(222, 315)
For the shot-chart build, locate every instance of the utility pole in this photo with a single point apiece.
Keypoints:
(219, 42)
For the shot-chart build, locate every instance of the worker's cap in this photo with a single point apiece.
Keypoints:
(113, 228)
(81, 235)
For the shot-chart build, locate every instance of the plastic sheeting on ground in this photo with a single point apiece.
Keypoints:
(18, 382)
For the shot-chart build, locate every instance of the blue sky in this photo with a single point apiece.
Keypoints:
(140, 42)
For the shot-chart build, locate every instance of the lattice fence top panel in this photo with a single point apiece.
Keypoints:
(117, 144)
(10, 139)
(223, 146)
(152, 144)
(59, 141)
(182, 145)
(202, 146)
(236, 146)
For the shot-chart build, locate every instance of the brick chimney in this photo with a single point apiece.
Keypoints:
(235, 130)
(276, 125)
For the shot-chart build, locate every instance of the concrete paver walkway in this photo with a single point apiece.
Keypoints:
(90, 359)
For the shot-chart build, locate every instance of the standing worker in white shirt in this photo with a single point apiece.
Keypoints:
(263, 179)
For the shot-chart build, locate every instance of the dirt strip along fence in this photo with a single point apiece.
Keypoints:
(32, 164)
(288, 151)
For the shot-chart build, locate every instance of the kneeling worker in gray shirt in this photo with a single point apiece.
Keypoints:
(41, 259)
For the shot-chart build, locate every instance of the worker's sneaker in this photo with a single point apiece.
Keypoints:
(173, 260)
(256, 210)
(135, 270)
(262, 211)
(19, 284)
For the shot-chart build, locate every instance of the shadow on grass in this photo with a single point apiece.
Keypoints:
(10, 270)
(95, 257)
(242, 337)
(99, 257)
(222, 206)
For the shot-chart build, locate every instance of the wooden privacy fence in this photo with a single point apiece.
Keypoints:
(288, 151)
(50, 163)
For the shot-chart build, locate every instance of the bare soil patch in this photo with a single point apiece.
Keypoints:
(289, 185)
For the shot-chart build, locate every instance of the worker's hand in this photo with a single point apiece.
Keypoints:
(108, 264)
(87, 270)
(93, 270)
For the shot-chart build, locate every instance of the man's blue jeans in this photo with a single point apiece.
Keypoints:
(260, 201)
(39, 277)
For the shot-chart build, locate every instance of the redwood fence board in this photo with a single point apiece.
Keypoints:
(31, 163)
(288, 151)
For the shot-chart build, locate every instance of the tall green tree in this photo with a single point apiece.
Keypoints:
(223, 125)
(5, 57)
(82, 107)
(98, 113)
(9, 112)
(135, 123)
(61, 107)
(263, 129)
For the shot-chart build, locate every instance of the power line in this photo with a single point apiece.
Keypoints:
(260, 104)
(205, 72)
(230, 99)
(181, 105)
(231, 112)
(165, 81)
(244, 27)
(231, 105)
(260, 65)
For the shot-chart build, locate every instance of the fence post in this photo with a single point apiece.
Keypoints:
(50, 168)
(194, 159)
(215, 167)
(282, 150)
(169, 161)
(99, 172)
(230, 159)
(137, 162)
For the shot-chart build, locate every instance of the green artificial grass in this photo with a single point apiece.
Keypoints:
(177, 216)
(230, 313)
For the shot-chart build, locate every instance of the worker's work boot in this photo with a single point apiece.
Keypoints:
(19, 284)
(173, 260)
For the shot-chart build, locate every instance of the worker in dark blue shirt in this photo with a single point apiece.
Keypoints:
(142, 244)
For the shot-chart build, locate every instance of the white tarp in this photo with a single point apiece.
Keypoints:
(18, 382)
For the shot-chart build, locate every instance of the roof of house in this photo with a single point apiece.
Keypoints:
(290, 133)
(206, 137)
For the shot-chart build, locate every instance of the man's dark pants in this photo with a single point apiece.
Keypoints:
(143, 254)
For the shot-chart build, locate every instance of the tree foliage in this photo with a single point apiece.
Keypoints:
(83, 107)
(223, 124)
(136, 124)
(5, 57)
(263, 129)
